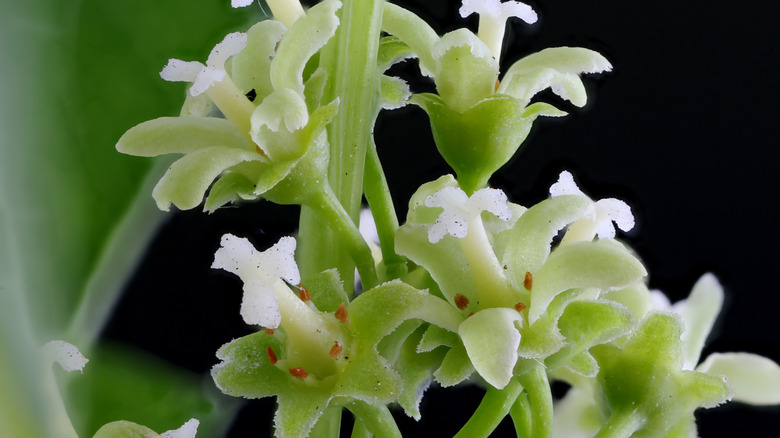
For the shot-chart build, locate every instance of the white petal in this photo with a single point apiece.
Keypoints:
(259, 305)
(492, 200)
(454, 219)
(181, 71)
(66, 354)
(487, 7)
(659, 300)
(230, 45)
(187, 430)
(205, 79)
(368, 226)
(753, 379)
(260, 273)
(240, 3)
(618, 212)
(565, 186)
(519, 10)
(698, 314)
(279, 260)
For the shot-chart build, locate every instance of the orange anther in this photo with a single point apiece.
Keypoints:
(528, 282)
(520, 307)
(461, 301)
(341, 314)
(299, 373)
(303, 293)
(271, 355)
(335, 350)
(268, 331)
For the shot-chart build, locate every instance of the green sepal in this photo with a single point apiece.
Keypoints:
(180, 135)
(301, 42)
(466, 69)
(557, 68)
(314, 90)
(491, 338)
(125, 429)
(526, 246)
(478, 141)
(390, 346)
(392, 51)
(412, 30)
(231, 187)
(603, 264)
(197, 106)
(635, 297)
(417, 369)
(585, 324)
(326, 289)
(435, 337)
(187, 180)
(251, 68)
(644, 384)
(299, 410)
(394, 92)
(543, 338)
(455, 367)
(296, 180)
(245, 369)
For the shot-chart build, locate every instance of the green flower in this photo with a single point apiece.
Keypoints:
(479, 122)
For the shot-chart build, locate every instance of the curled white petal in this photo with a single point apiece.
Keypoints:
(498, 10)
(229, 46)
(459, 209)
(66, 354)
(181, 71)
(603, 212)
(260, 272)
(205, 79)
(187, 430)
(240, 3)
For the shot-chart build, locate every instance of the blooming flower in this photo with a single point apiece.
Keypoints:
(204, 76)
(261, 272)
(600, 215)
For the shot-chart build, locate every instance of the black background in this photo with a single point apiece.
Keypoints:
(683, 129)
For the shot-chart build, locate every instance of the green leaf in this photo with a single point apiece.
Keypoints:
(76, 215)
(122, 383)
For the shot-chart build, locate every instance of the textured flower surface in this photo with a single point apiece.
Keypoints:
(204, 76)
(459, 208)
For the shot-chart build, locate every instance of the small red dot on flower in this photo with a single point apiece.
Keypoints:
(520, 307)
(271, 355)
(528, 282)
(299, 373)
(336, 350)
(341, 314)
(461, 301)
(303, 293)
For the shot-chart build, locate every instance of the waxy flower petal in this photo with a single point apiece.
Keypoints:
(240, 3)
(260, 272)
(203, 76)
(187, 430)
(498, 10)
(66, 354)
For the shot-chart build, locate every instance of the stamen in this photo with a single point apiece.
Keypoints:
(528, 282)
(336, 350)
(299, 373)
(271, 355)
(341, 314)
(268, 331)
(520, 307)
(461, 301)
(303, 293)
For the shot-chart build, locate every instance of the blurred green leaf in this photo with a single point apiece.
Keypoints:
(74, 214)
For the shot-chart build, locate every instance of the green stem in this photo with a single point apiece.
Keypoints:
(493, 408)
(359, 430)
(329, 424)
(350, 59)
(382, 208)
(540, 401)
(326, 204)
(621, 425)
(377, 420)
(521, 416)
